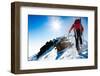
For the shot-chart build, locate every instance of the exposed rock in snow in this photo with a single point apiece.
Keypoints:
(68, 52)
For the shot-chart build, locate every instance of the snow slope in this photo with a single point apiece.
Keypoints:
(67, 53)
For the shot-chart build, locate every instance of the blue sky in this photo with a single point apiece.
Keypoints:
(42, 28)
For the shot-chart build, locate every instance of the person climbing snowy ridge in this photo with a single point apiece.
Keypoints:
(68, 46)
(78, 30)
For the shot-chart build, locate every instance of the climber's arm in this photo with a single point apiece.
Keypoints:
(71, 28)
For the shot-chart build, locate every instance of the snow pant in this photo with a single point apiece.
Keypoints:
(78, 38)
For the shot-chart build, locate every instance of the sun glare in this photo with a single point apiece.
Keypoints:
(56, 24)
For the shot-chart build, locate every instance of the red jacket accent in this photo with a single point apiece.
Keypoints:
(77, 25)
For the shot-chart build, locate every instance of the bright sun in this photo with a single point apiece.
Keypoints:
(56, 24)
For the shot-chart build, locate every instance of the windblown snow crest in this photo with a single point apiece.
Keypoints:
(61, 48)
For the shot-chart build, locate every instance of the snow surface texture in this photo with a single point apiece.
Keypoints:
(67, 53)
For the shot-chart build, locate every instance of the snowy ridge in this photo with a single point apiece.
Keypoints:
(67, 53)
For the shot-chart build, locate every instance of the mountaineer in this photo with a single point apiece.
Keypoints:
(78, 30)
